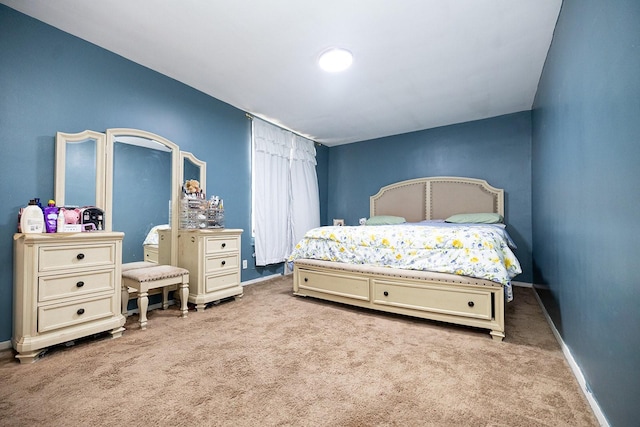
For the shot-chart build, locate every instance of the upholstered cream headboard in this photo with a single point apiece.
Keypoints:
(437, 198)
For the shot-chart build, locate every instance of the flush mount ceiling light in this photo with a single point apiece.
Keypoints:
(335, 60)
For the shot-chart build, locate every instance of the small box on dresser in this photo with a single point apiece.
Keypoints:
(212, 257)
(66, 286)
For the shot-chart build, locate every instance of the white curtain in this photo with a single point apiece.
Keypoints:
(271, 151)
(285, 198)
(305, 200)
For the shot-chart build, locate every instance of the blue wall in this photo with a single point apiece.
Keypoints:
(585, 183)
(51, 81)
(497, 150)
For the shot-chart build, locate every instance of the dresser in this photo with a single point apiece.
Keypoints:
(212, 257)
(66, 286)
(160, 253)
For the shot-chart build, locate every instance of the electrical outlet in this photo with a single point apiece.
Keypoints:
(244, 264)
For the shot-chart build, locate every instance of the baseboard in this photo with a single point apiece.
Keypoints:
(5, 345)
(575, 368)
(260, 279)
(522, 284)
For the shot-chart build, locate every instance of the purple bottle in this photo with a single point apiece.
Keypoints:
(51, 217)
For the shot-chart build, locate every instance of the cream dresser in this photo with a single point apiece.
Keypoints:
(66, 286)
(212, 257)
(160, 253)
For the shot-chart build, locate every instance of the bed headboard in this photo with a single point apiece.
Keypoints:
(437, 198)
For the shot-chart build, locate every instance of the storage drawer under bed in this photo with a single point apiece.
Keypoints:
(333, 284)
(454, 300)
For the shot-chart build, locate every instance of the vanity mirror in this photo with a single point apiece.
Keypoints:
(135, 176)
(143, 185)
(80, 169)
(138, 184)
(193, 168)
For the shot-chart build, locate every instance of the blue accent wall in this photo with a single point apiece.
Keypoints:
(497, 150)
(51, 81)
(585, 183)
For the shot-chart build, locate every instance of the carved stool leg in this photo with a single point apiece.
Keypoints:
(125, 299)
(184, 295)
(143, 303)
(165, 297)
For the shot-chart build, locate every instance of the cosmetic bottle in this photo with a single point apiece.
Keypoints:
(32, 218)
(51, 217)
(60, 223)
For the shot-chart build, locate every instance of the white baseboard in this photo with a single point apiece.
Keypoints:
(5, 345)
(522, 284)
(575, 368)
(260, 279)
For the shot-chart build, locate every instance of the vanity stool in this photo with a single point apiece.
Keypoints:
(143, 277)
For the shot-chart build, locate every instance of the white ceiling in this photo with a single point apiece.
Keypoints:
(418, 64)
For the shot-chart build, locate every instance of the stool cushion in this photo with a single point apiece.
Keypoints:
(150, 274)
(137, 264)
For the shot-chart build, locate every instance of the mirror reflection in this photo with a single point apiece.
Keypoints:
(193, 168)
(142, 170)
(81, 190)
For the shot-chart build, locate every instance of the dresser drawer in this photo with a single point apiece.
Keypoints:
(72, 285)
(216, 283)
(221, 244)
(437, 299)
(52, 258)
(58, 316)
(218, 264)
(151, 253)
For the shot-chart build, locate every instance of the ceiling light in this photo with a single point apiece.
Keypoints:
(335, 60)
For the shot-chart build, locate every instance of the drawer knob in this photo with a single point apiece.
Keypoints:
(224, 245)
(80, 256)
(470, 303)
(80, 311)
(385, 293)
(80, 284)
(306, 280)
(223, 262)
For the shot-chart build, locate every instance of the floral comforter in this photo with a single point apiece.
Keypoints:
(480, 251)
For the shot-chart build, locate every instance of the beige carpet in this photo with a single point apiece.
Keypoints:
(272, 359)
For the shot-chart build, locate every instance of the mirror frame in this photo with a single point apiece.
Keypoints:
(186, 155)
(104, 172)
(176, 172)
(62, 139)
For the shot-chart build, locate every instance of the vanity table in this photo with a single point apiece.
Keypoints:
(212, 257)
(66, 286)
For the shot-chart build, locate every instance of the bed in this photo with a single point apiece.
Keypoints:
(420, 288)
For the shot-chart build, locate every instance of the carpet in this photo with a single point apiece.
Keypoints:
(273, 359)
